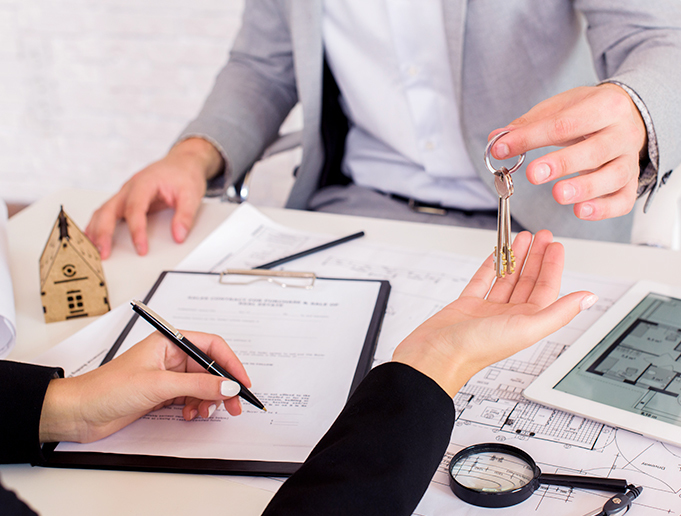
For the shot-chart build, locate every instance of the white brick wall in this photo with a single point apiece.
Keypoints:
(93, 90)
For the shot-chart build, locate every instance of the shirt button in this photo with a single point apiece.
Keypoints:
(413, 71)
(429, 145)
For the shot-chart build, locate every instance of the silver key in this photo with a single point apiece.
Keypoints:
(504, 259)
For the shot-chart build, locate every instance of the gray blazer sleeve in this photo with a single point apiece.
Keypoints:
(254, 91)
(638, 44)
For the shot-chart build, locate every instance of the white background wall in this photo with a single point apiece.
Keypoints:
(93, 90)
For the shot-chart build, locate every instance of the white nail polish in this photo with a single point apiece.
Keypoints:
(229, 388)
(588, 302)
(211, 409)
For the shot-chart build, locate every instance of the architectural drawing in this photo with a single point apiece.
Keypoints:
(491, 406)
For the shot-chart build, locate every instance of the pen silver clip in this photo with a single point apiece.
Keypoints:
(169, 327)
(285, 279)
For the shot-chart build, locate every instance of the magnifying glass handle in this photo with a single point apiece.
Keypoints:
(616, 485)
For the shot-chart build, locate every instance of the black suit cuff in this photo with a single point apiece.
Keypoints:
(23, 388)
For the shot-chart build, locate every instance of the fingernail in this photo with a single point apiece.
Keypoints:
(501, 150)
(181, 233)
(586, 211)
(140, 248)
(542, 172)
(193, 414)
(568, 192)
(211, 409)
(588, 302)
(229, 388)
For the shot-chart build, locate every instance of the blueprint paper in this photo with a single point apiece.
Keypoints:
(490, 407)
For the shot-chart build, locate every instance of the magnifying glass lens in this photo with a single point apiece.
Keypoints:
(493, 475)
(492, 472)
(498, 475)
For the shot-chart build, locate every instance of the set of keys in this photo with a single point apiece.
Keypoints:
(504, 259)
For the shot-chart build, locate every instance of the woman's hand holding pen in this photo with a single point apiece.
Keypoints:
(150, 375)
(490, 322)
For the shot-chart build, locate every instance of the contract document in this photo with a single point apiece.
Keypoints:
(305, 349)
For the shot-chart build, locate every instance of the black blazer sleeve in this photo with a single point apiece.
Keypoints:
(10, 505)
(379, 455)
(22, 388)
(22, 391)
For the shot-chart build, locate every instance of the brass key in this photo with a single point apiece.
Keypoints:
(504, 259)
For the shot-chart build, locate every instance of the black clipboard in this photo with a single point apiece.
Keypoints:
(157, 463)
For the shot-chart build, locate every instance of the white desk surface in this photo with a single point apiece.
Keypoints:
(59, 491)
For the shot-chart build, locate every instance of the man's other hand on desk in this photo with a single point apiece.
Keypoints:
(150, 375)
(177, 181)
(492, 320)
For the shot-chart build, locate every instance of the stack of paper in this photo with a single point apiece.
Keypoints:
(8, 330)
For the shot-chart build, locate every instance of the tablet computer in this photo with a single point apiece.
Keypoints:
(625, 370)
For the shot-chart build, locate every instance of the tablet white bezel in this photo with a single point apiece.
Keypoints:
(542, 389)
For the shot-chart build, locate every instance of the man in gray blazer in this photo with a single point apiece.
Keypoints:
(589, 89)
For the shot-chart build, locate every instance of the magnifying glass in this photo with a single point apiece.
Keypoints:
(498, 475)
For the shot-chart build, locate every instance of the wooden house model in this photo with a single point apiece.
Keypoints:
(71, 276)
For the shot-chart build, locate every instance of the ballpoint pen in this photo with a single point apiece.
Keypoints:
(190, 349)
(287, 259)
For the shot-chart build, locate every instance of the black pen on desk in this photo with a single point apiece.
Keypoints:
(286, 259)
(191, 350)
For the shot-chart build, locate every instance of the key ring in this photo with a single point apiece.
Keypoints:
(488, 160)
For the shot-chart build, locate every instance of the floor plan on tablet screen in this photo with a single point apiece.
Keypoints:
(637, 366)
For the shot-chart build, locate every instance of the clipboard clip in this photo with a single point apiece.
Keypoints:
(285, 279)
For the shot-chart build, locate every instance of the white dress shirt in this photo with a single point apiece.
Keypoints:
(390, 60)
